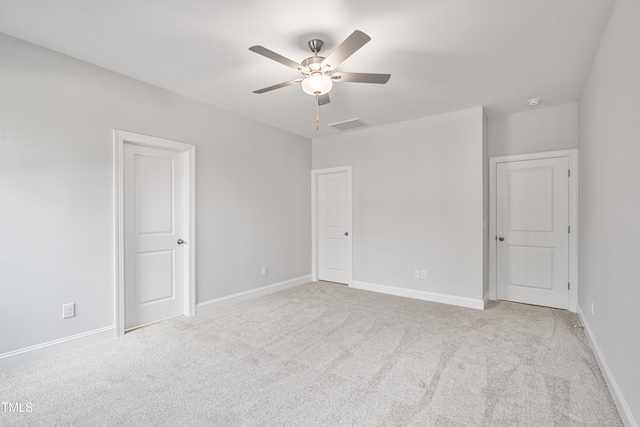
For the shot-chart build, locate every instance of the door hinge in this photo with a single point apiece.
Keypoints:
(569, 285)
(569, 229)
(569, 172)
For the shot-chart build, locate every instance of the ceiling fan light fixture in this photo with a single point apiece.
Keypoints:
(317, 84)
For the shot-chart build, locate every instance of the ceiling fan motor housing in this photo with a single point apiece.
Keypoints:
(313, 63)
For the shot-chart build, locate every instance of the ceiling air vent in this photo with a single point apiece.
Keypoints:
(348, 124)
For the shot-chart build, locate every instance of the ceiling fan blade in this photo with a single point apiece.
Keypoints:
(276, 57)
(278, 86)
(355, 41)
(323, 99)
(361, 77)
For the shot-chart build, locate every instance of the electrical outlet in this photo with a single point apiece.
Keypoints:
(423, 274)
(416, 274)
(264, 271)
(68, 310)
(593, 309)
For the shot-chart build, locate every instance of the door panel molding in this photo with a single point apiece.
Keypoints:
(572, 157)
(315, 174)
(120, 138)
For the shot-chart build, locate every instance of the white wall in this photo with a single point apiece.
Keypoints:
(533, 131)
(56, 193)
(417, 201)
(610, 203)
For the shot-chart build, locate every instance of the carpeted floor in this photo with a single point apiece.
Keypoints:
(324, 354)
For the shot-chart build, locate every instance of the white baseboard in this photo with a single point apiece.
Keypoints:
(217, 303)
(423, 295)
(621, 403)
(39, 351)
(485, 299)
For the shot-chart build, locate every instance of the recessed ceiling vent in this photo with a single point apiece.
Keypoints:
(348, 124)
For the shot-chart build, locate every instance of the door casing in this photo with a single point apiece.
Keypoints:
(572, 156)
(315, 173)
(120, 138)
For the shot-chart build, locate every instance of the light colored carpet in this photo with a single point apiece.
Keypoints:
(324, 354)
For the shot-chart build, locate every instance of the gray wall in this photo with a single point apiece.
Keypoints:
(610, 200)
(533, 131)
(56, 187)
(417, 201)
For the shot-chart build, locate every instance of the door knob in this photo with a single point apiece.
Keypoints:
(501, 239)
(346, 233)
(180, 241)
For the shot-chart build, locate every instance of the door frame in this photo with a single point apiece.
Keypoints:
(120, 138)
(315, 173)
(572, 157)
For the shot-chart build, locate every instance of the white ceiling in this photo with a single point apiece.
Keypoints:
(443, 55)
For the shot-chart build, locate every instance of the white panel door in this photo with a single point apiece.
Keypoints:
(533, 236)
(333, 233)
(153, 229)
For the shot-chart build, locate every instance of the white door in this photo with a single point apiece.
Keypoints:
(334, 211)
(532, 230)
(154, 214)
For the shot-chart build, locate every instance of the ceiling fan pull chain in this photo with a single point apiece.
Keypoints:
(317, 111)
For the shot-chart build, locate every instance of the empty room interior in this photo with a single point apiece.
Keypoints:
(421, 212)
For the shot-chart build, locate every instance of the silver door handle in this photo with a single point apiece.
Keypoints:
(180, 241)
(346, 233)
(501, 239)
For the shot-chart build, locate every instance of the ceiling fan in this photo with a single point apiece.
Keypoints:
(318, 72)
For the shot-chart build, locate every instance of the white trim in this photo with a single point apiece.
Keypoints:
(50, 348)
(119, 139)
(621, 403)
(314, 218)
(221, 302)
(422, 295)
(572, 156)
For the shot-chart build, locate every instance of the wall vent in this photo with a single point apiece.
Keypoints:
(348, 124)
